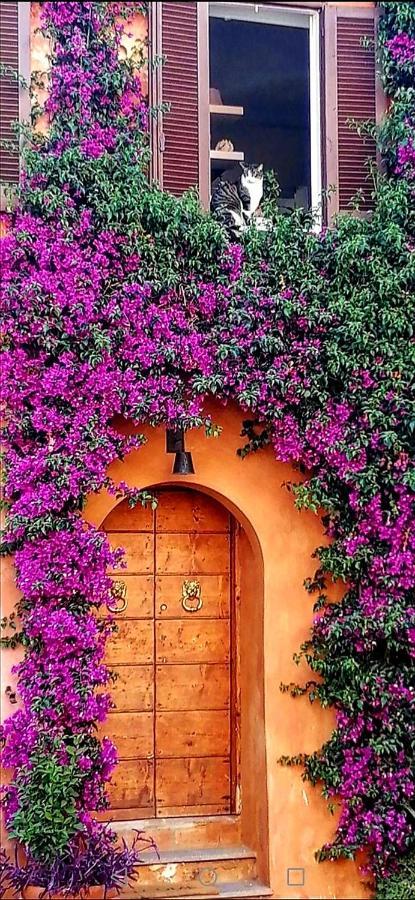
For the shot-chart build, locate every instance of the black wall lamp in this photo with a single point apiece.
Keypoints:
(183, 463)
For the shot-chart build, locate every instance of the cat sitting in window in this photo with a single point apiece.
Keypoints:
(236, 195)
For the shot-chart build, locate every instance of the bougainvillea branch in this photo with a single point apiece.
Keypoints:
(120, 300)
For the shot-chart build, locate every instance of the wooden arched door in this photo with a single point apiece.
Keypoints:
(172, 656)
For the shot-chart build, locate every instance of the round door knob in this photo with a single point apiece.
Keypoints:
(163, 607)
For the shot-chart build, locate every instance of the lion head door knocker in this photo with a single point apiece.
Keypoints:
(119, 593)
(192, 596)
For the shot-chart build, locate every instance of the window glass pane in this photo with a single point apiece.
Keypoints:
(265, 69)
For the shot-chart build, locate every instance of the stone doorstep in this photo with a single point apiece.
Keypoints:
(175, 874)
(197, 854)
(197, 868)
(241, 890)
(182, 833)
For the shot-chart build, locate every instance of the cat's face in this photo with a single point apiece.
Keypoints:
(252, 173)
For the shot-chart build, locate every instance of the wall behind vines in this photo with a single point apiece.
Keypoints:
(122, 300)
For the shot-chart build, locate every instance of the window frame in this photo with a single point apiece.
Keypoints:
(326, 16)
(281, 15)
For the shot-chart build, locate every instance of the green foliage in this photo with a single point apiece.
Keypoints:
(13, 637)
(47, 817)
(401, 884)
(175, 237)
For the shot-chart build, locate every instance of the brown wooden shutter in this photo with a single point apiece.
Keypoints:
(9, 89)
(180, 90)
(356, 99)
(178, 32)
(351, 91)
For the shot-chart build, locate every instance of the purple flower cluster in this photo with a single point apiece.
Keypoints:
(398, 63)
(402, 49)
(405, 159)
(63, 579)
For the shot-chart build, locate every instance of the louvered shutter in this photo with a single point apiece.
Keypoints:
(356, 99)
(351, 92)
(9, 89)
(178, 133)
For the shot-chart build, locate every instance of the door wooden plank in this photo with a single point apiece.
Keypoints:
(192, 554)
(190, 511)
(139, 596)
(192, 782)
(192, 733)
(138, 552)
(170, 812)
(214, 595)
(192, 687)
(190, 641)
(126, 518)
(131, 732)
(132, 643)
(132, 785)
(133, 688)
(126, 814)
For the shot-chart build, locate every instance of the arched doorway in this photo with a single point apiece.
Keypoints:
(280, 819)
(175, 658)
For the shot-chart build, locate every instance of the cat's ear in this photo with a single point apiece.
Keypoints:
(260, 169)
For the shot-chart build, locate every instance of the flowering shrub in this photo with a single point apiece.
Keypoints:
(99, 860)
(401, 884)
(57, 450)
(121, 300)
(397, 44)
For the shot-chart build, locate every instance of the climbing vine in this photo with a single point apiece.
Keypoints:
(122, 301)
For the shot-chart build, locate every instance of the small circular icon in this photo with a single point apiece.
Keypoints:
(207, 877)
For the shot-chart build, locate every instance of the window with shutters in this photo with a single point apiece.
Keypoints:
(264, 95)
(276, 82)
(14, 100)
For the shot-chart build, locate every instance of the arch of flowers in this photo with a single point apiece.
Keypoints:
(121, 300)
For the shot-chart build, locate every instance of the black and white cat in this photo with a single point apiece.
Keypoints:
(236, 195)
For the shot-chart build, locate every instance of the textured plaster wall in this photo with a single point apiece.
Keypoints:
(298, 821)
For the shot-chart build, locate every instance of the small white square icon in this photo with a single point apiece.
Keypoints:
(295, 877)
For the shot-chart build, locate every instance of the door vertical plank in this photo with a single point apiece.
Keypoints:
(130, 656)
(193, 658)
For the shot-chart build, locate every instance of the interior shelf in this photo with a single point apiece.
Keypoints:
(220, 109)
(224, 156)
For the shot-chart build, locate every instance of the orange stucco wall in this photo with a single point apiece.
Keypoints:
(298, 820)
